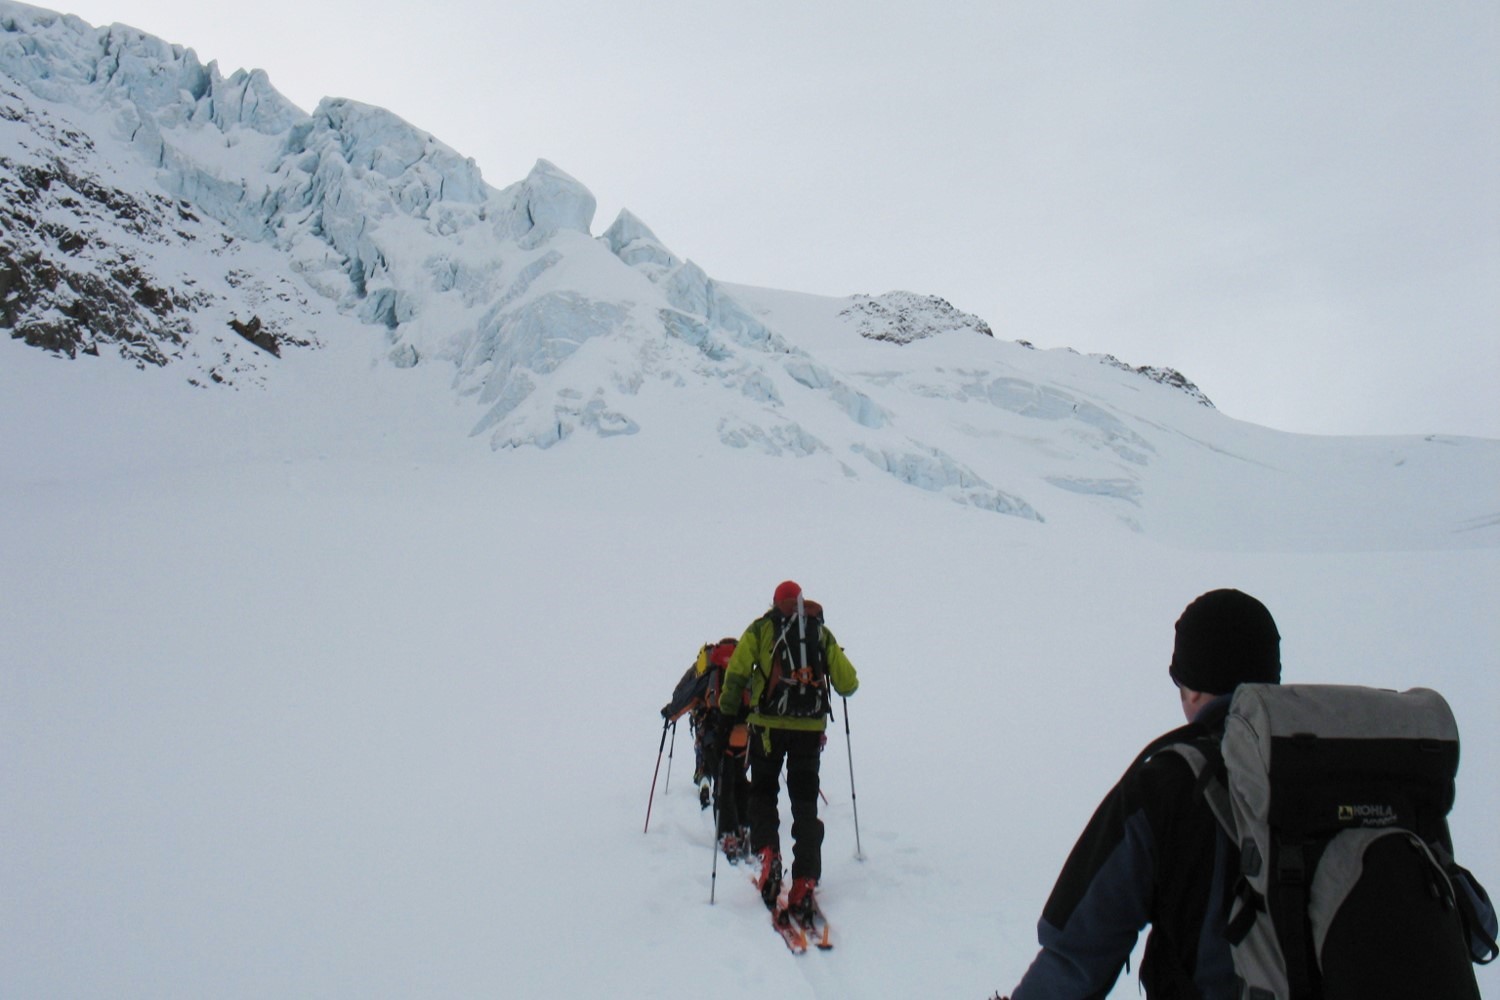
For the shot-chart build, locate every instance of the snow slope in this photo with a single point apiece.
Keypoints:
(306, 695)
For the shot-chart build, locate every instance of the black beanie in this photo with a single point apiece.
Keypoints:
(1226, 638)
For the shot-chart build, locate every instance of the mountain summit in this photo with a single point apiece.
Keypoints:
(155, 210)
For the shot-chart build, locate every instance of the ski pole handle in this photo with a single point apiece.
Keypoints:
(671, 752)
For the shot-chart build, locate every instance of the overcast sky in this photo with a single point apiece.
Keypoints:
(1295, 204)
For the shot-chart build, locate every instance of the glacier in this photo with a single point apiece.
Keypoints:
(159, 212)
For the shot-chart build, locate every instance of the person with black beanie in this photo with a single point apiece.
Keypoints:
(1153, 852)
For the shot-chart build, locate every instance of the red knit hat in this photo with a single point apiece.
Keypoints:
(785, 598)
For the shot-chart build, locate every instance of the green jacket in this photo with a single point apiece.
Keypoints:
(750, 666)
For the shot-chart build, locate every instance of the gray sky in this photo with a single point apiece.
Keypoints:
(1295, 204)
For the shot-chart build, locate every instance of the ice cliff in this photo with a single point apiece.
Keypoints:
(160, 211)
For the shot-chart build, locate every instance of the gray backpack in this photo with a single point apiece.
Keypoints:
(1337, 798)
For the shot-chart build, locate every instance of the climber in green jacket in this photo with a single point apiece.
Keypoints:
(792, 666)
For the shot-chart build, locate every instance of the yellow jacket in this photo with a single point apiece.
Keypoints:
(750, 666)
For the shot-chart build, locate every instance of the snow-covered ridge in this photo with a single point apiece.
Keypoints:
(380, 220)
(157, 210)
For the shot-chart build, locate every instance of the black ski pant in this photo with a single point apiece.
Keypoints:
(800, 751)
(732, 793)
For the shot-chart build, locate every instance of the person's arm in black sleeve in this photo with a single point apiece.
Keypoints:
(1103, 895)
(689, 690)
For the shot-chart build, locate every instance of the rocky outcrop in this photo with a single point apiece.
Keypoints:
(902, 317)
(87, 266)
(1165, 376)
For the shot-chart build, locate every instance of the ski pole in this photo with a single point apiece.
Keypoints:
(654, 773)
(667, 788)
(713, 878)
(859, 854)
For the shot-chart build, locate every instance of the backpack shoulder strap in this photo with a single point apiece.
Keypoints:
(1199, 747)
(1207, 762)
(1206, 759)
(1182, 734)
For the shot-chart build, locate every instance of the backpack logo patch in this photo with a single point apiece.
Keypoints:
(1369, 815)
